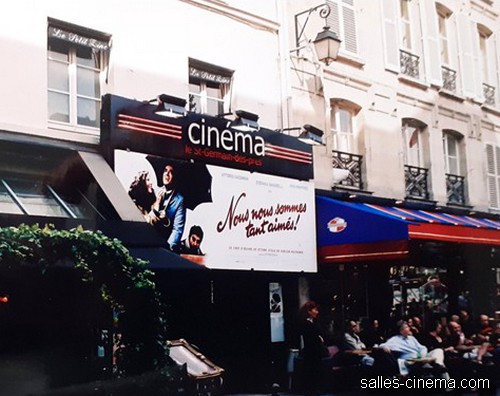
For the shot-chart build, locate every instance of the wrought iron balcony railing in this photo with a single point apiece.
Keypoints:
(352, 164)
(416, 182)
(449, 79)
(489, 94)
(455, 189)
(409, 64)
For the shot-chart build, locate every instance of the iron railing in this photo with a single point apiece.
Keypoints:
(449, 79)
(409, 64)
(351, 163)
(416, 182)
(489, 94)
(455, 189)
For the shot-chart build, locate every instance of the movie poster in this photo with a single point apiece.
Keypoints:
(224, 218)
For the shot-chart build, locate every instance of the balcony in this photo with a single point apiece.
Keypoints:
(489, 94)
(350, 163)
(409, 64)
(455, 189)
(449, 79)
(416, 182)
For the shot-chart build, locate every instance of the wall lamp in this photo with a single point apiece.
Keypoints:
(170, 106)
(311, 135)
(245, 121)
(326, 43)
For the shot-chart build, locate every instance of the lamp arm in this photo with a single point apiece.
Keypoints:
(324, 11)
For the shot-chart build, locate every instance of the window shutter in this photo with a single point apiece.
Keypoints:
(476, 56)
(496, 40)
(333, 20)
(466, 57)
(493, 175)
(391, 37)
(430, 39)
(349, 22)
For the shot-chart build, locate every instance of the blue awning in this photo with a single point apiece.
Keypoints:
(353, 231)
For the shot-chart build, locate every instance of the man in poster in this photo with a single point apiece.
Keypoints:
(167, 213)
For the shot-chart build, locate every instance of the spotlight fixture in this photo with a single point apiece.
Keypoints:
(311, 135)
(170, 106)
(245, 121)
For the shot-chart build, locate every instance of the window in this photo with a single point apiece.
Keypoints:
(342, 20)
(451, 148)
(76, 57)
(411, 138)
(209, 88)
(443, 37)
(488, 64)
(405, 25)
(342, 129)
(493, 175)
(54, 183)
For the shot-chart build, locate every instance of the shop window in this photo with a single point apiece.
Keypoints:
(54, 183)
(76, 58)
(209, 88)
(493, 175)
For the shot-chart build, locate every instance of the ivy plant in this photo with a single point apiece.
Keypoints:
(122, 281)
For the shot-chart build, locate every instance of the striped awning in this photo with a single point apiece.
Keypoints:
(352, 231)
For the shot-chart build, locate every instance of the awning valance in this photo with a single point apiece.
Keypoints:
(352, 231)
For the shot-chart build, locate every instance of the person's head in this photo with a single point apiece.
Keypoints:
(484, 320)
(168, 177)
(455, 327)
(438, 327)
(195, 236)
(141, 191)
(417, 322)
(353, 327)
(454, 318)
(309, 310)
(404, 329)
(464, 315)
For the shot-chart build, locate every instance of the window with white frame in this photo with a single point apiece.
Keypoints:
(209, 88)
(342, 129)
(405, 24)
(412, 143)
(488, 64)
(444, 42)
(76, 57)
(451, 149)
(342, 20)
(493, 175)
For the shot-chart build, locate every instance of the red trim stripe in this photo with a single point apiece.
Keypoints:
(149, 126)
(450, 233)
(363, 251)
(288, 154)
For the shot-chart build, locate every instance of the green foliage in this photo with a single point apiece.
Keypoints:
(122, 282)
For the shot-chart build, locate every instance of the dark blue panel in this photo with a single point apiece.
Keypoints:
(339, 223)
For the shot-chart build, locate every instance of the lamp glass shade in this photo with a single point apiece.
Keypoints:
(311, 138)
(327, 45)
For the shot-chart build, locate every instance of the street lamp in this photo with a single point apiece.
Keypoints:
(326, 43)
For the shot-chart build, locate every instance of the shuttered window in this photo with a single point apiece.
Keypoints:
(391, 35)
(342, 20)
(468, 45)
(493, 175)
(451, 148)
(430, 41)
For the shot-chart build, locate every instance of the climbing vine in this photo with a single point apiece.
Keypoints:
(121, 280)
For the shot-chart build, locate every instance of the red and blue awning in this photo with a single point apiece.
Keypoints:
(352, 231)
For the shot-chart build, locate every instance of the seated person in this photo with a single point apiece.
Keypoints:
(464, 345)
(192, 244)
(371, 333)
(352, 345)
(405, 346)
(436, 338)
